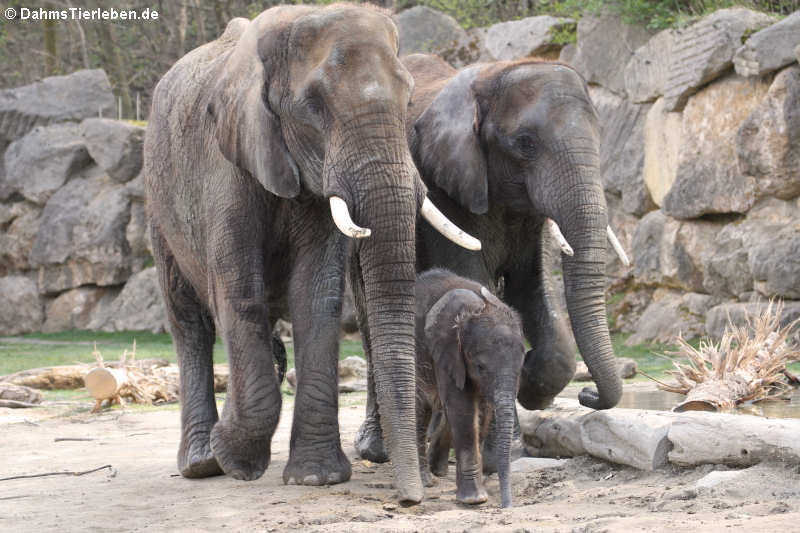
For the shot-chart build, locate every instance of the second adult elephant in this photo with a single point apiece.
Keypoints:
(503, 147)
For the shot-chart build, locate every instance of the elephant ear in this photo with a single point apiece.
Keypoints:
(442, 325)
(248, 132)
(447, 146)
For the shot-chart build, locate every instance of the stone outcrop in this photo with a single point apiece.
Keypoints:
(70, 98)
(704, 50)
(663, 134)
(138, 307)
(769, 49)
(605, 45)
(647, 70)
(532, 36)
(22, 310)
(115, 146)
(425, 30)
(672, 314)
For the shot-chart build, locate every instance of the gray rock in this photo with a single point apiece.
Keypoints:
(605, 45)
(37, 164)
(22, 310)
(114, 145)
(725, 271)
(717, 478)
(532, 36)
(775, 263)
(21, 222)
(671, 314)
(138, 307)
(663, 133)
(352, 374)
(73, 97)
(71, 309)
(670, 253)
(467, 49)
(622, 149)
(291, 378)
(532, 464)
(82, 237)
(705, 50)
(708, 178)
(769, 49)
(739, 314)
(647, 71)
(768, 142)
(425, 30)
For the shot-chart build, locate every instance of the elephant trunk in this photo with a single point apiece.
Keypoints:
(504, 417)
(381, 187)
(584, 223)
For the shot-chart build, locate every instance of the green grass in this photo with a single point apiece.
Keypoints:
(70, 347)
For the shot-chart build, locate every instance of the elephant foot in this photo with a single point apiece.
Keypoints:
(471, 494)
(369, 442)
(427, 478)
(239, 457)
(195, 458)
(314, 467)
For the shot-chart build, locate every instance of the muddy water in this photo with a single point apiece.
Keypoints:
(664, 401)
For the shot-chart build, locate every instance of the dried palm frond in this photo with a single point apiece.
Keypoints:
(747, 364)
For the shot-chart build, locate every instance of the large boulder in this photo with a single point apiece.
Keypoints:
(768, 142)
(82, 237)
(704, 51)
(775, 262)
(663, 134)
(467, 49)
(425, 30)
(138, 307)
(532, 36)
(39, 163)
(708, 178)
(671, 314)
(73, 97)
(114, 145)
(739, 314)
(769, 49)
(622, 148)
(671, 253)
(20, 221)
(21, 310)
(605, 44)
(72, 309)
(647, 70)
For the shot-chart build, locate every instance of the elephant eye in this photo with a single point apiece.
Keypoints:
(525, 143)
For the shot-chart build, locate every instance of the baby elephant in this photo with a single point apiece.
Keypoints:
(469, 355)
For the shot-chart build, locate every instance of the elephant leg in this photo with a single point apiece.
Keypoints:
(550, 364)
(241, 439)
(316, 289)
(423, 417)
(193, 334)
(369, 438)
(462, 417)
(438, 456)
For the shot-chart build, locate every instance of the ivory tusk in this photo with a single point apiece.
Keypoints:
(562, 241)
(341, 217)
(617, 246)
(440, 222)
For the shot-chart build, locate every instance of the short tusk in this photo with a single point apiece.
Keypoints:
(617, 246)
(440, 222)
(562, 241)
(341, 217)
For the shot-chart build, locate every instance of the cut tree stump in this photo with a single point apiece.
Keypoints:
(67, 376)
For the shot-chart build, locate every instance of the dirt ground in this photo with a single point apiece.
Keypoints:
(143, 492)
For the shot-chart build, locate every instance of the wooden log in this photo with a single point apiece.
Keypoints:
(13, 404)
(18, 393)
(735, 440)
(105, 383)
(632, 437)
(553, 432)
(67, 376)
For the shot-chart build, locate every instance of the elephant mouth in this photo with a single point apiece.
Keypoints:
(567, 249)
(341, 217)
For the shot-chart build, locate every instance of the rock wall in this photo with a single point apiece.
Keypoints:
(700, 162)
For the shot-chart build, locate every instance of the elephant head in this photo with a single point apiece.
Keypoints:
(525, 135)
(311, 102)
(477, 341)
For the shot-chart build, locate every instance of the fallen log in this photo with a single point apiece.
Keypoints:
(13, 404)
(66, 376)
(18, 393)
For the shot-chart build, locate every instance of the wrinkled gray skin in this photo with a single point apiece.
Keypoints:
(249, 136)
(502, 146)
(469, 355)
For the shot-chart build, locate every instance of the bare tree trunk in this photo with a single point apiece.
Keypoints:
(183, 22)
(116, 65)
(50, 47)
(201, 21)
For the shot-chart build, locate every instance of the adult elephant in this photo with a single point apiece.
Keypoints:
(505, 147)
(260, 144)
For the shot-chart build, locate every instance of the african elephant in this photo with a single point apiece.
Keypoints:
(260, 144)
(469, 355)
(503, 147)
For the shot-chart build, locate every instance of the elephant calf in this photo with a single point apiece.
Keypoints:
(469, 356)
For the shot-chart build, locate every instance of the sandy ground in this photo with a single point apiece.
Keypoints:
(143, 492)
